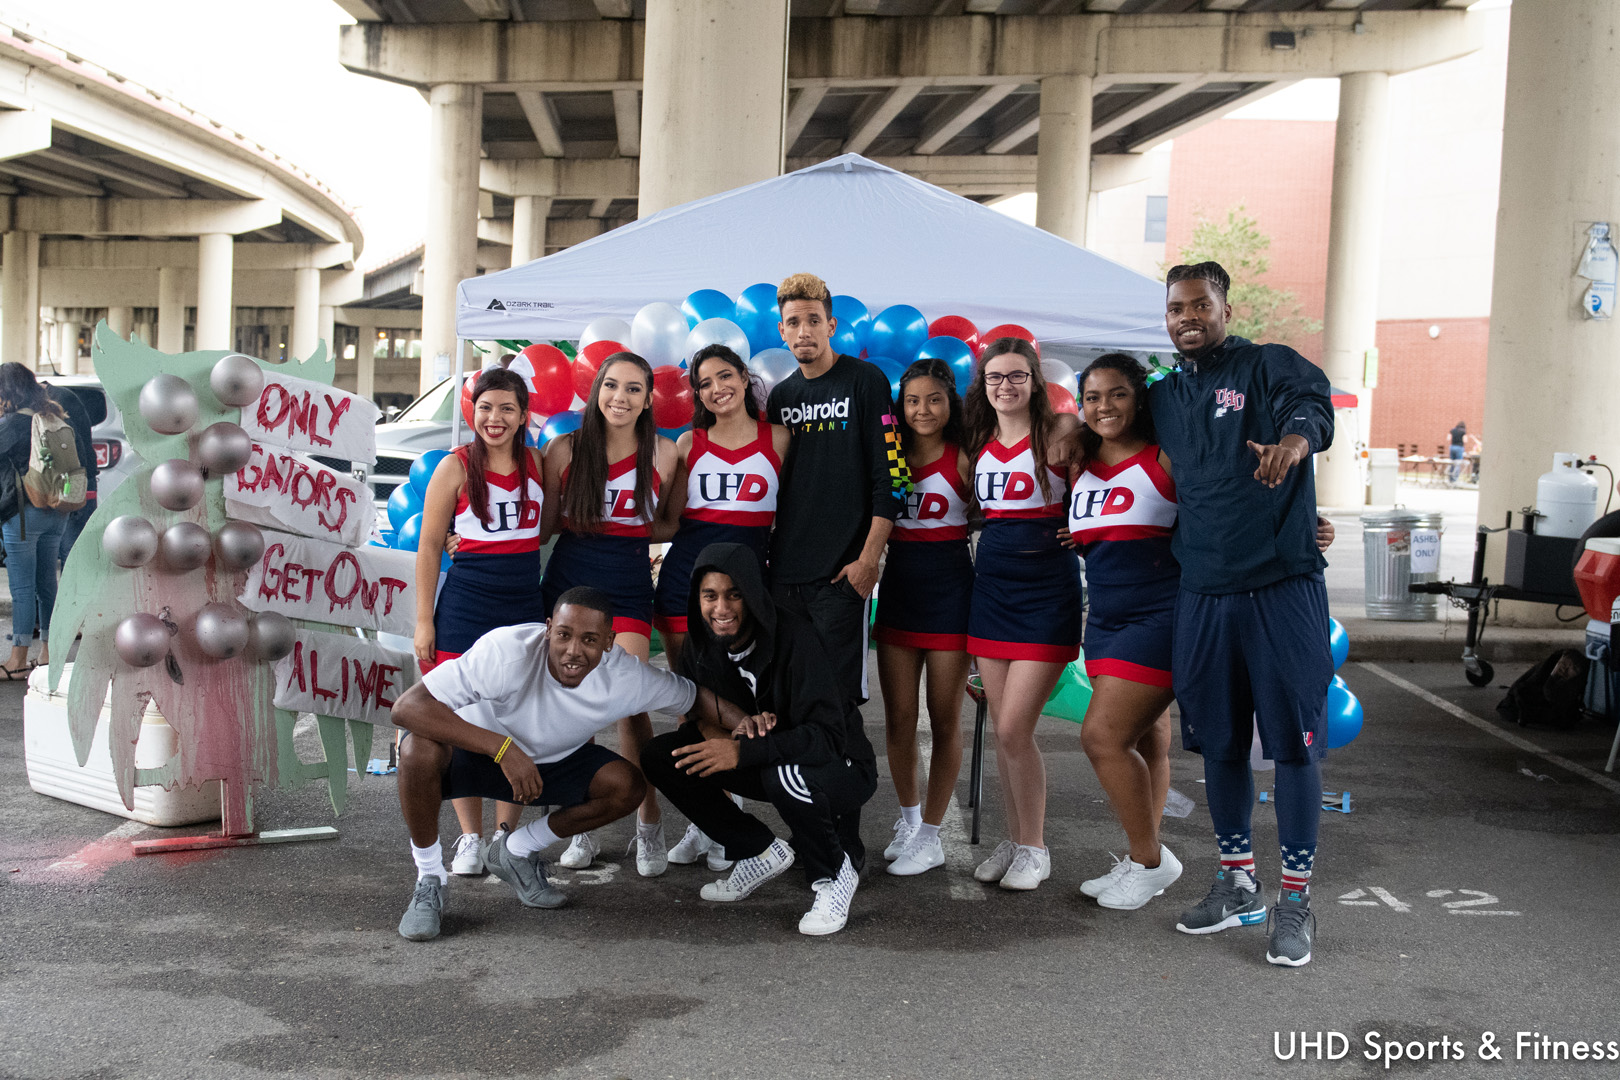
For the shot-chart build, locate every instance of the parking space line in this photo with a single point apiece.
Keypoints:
(1491, 729)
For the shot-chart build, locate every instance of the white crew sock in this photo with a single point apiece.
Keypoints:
(926, 832)
(911, 815)
(429, 861)
(525, 840)
(738, 799)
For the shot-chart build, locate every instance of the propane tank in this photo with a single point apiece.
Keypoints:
(1566, 498)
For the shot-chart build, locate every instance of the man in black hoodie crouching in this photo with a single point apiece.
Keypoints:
(770, 723)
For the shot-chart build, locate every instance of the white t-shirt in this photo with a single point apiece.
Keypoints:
(506, 670)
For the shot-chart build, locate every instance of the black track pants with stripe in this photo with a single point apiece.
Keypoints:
(821, 804)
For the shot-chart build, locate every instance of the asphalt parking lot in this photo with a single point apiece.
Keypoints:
(1471, 891)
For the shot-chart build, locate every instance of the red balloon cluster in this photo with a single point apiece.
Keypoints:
(1004, 330)
(957, 327)
(671, 397)
(551, 385)
(1062, 401)
(589, 361)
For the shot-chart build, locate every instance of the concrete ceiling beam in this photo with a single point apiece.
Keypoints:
(1150, 104)
(614, 9)
(875, 115)
(142, 217)
(948, 119)
(542, 121)
(53, 181)
(562, 178)
(1013, 135)
(1262, 90)
(182, 254)
(547, 54)
(489, 9)
(627, 118)
(109, 171)
(24, 131)
(803, 106)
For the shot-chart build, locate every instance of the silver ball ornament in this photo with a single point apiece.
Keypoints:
(141, 640)
(129, 541)
(222, 631)
(168, 404)
(224, 447)
(236, 380)
(185, 546)
(240, 544)
(271, 636)
(177, 484)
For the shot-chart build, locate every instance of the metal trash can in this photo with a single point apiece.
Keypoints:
(1383, 474)
(1387, 539)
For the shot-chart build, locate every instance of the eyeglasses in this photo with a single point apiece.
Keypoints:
(1011, 378)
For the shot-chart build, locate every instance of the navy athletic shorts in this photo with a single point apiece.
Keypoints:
(563, 783)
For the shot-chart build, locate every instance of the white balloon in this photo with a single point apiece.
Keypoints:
(605, 329)
(717, 332)
(658, 334)
(1056, 371)
(772, 366)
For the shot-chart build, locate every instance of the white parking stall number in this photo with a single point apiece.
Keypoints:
(1474, 902)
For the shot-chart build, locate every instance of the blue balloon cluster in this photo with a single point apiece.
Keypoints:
(405, 505)
(1343, 709)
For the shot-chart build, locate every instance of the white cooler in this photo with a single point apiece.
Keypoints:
(54, 770)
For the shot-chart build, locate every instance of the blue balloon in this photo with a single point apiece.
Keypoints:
(1339, 642)
(955, 352)
(892, 370)
(853, 322)
(410, 533)
(709, 304)
(405, 502)
(422, 469)
(561, 424)
(758, 316)
(1343, 714)
(897, 331)
(673, 433)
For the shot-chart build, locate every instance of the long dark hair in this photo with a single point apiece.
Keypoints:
(979, 416)
(20, 390)
(478, 453)
(1136, 375)
(702, 418)
(940, 372)
(588, 470)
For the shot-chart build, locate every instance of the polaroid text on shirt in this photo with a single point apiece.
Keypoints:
(793, 415)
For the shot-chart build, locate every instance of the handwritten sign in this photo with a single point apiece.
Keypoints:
(1425, 551)
(314, 418)
(333, 675)
(369, 587)
(290, 491)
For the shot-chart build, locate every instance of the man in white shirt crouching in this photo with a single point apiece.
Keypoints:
(529, 698)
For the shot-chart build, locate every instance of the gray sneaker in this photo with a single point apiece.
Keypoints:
(1227, 905)
(526, 874)
(421, 920)
(1290, 930)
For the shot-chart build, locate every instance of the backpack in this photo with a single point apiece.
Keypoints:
(1550, 693)
(56, 479)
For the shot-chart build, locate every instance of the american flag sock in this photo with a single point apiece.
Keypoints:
(1297, 863)
(1236, 857)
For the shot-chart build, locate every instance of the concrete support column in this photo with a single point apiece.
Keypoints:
(171, 325)
(121, 320)
(1063, 157)
(19, 298)
(326, 328)
(1550, 379)
(1350, 315)
(451, 253)
(714, 98)
(68, 362)
(306, 314)
(216, 258)
(529, 213)
(365, 361)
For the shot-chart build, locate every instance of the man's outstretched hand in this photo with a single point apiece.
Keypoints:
(708, 756)
(752, 727)
(1277, 458)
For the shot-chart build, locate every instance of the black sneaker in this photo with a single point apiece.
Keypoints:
(526, 874)
(421, 919)
(1227, 905)
(1290, 930)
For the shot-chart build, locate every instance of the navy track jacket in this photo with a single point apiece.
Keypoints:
(1232, 532)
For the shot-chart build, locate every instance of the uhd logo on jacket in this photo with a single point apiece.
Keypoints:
(826, 410)
(1228, 399)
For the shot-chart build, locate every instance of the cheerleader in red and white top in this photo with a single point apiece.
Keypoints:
(922, 612)
(603, 486)
(490, 494)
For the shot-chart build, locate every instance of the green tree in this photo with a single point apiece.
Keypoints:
(1259, 312)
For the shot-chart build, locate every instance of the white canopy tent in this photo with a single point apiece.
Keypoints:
(872, 232)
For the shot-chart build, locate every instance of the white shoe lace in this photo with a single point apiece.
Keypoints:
(917, 847)
(1023, 862)
(692, 843)
(466, 843)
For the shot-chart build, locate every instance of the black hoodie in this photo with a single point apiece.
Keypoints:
(794, 678)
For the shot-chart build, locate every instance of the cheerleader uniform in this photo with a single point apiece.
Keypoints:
(1121, 516)
(927, 586)
(730, 498)
(494, 578)
(615, 559)
(1026, 585)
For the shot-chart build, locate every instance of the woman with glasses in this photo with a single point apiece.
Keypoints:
(1024, 622)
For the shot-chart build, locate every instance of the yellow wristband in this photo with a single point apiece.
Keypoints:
(502, 750)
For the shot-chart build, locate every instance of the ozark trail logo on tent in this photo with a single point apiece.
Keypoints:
(518, 305)
(495, 305)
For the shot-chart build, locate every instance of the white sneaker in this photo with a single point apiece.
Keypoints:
(902, 836)
(467, 859)
(582, 851)
(652, 853)
(1094, 887)
(995, 867)
(1030, 867)
(918, 856)
(717, 860)
(750, 874)
(830, 911)
(691, 847)
(1137, 885)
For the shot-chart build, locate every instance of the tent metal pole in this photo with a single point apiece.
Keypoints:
(455, 394)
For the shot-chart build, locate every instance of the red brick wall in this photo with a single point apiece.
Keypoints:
(1282, 172)
(1425, 385)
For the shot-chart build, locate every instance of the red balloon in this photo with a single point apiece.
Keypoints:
(1062, 401)
(957, 327)
(466, 398)
(589, 361)
(1005, 330)
(551, 378)
(671, 398)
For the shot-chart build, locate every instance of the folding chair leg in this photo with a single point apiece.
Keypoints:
(976, 779)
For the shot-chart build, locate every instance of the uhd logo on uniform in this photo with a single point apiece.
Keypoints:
(1228, 399)
(826, 410)
(1102, 502)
